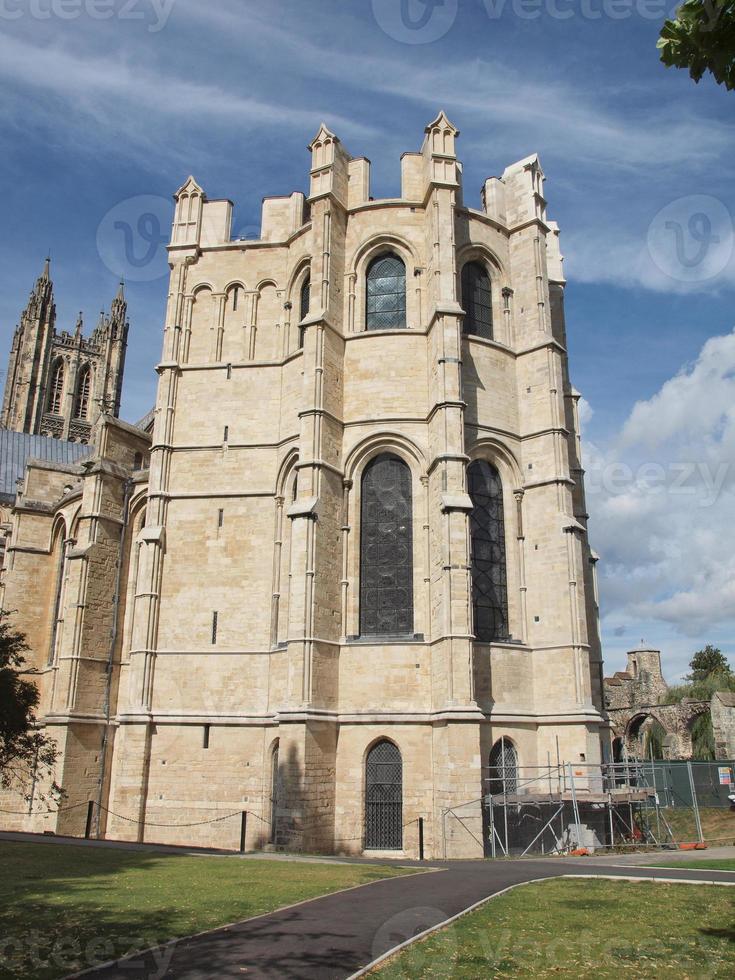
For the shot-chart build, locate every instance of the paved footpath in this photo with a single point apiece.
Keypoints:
(335, 936)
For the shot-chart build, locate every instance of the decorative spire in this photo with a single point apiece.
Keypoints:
(80, 324)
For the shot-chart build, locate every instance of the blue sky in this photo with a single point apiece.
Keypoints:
(102, 119)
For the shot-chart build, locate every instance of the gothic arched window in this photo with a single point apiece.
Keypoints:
(56, 391)
(305, 300)
(503, 775)
(386, 549)
(81, 405)
(487, 553)
(384, 798)
(386, 294)
(477, 300)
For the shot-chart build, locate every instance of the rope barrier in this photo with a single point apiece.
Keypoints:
(196, 823)
(43, 813)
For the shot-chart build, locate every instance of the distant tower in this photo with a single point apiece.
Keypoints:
(23, 402)
(58, 384)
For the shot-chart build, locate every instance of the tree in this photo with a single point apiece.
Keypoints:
(26, 753)
(701, 38)
(706, 662)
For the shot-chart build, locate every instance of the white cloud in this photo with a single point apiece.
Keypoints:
(661, 495)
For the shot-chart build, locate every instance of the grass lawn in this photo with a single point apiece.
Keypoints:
(65, 908)
(583, 929)
(718, 824)
(709, 864)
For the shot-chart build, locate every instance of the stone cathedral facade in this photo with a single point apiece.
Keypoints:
(348, 575)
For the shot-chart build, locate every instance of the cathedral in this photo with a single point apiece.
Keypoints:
(341, 574)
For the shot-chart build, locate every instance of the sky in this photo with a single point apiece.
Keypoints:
(106, 107)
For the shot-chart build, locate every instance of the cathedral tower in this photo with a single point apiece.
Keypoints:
(59, 383)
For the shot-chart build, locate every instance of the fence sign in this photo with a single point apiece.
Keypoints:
(725, 775)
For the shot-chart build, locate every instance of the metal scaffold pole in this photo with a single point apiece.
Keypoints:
(695, 804)
(575, 807)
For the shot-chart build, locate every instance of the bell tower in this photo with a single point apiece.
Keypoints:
(58, 384)
(24, 386)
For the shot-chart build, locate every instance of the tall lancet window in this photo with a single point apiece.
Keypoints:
(386, 549)
(81, 408)
(304, 307)
(386, 294)
(487, 544)
(56, 393)
(477, 301)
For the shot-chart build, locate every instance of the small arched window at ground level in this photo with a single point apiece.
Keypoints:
(81, 406)
(477, 300)
(384, 798)
(503, 769)
(386, 294)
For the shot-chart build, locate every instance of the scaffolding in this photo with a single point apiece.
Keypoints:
(566, 807)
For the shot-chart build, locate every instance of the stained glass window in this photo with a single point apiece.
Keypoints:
(386, 294)
(487, 542)
(386, 558)
(477, 301)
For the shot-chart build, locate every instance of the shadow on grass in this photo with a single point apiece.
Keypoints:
(727, 933)
(65, 909)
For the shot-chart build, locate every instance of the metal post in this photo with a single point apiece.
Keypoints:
(90, 818)
(243, 830)
(574, 805)
(492, 827)
(610, 815)
(695, 804)
(558, 766)
(421, 838)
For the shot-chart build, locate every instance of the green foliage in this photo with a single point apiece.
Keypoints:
(711, 660)
(654, 744)
(701, 39)
(710, 673)
(703, 738)
(26, 754)
(700, 690)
